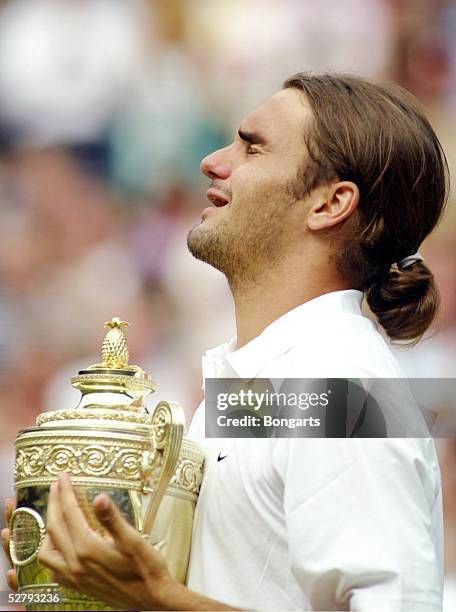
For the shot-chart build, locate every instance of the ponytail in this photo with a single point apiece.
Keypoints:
(405, 302)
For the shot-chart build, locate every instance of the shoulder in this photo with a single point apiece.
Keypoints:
(347, 347)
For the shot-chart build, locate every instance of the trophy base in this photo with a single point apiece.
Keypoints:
(52, 596)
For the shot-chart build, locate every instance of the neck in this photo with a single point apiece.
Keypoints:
(259, 303)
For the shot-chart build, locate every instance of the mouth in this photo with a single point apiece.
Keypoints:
(217, 198)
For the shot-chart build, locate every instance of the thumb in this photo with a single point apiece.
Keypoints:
(125, 537)
(111, 519)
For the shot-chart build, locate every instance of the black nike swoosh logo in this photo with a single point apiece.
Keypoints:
(219, 458)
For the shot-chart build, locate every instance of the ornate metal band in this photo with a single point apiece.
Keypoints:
(101, 461)
(90, 461)
(189, 472)
(81, 414)
(119, 380)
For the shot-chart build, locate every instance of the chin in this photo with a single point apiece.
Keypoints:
(206, 245)
(196, 241)
(195, 234)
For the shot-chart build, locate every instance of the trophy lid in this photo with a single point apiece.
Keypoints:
(114, 375)
(112, 389)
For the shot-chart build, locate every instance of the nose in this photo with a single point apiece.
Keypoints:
(214, 167)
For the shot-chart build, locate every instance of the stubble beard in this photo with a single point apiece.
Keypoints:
(246, 249)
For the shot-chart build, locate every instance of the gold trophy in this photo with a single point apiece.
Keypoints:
(108, 444)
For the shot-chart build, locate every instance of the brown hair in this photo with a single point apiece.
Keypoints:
(376, 136)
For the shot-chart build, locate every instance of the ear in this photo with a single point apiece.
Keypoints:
(334, 203)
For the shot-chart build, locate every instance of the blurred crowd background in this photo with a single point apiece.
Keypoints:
(106, 109)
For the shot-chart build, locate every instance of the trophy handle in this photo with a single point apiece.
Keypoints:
(168, 423)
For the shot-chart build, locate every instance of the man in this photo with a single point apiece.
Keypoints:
(326, 192)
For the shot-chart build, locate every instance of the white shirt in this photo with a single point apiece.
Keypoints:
(317, 524)
(449, 594)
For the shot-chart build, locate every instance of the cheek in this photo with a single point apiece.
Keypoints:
(255, 180)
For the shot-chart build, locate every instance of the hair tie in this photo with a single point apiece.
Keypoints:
(409, 261)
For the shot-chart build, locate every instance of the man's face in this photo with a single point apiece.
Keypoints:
(252, 223)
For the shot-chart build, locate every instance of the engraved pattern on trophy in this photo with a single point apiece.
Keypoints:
(188, 476)
(27, 535)
(113, 461)
(109, 443)
(65, 415)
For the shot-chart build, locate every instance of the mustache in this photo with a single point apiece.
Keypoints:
(221, 187)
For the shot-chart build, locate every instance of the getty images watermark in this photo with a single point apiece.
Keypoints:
(330, 408)
(259, 401)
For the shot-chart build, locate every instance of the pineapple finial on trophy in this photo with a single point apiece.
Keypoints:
(114, 350)
(113, 383)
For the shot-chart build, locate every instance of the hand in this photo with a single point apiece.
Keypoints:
(124, 570)
(11, 577)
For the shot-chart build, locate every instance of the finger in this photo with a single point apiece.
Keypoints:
(5, 543)
(71, 511)
(11, 579)
(57, 529)
(10, 505)
(94, 580)
(51, 557)
(88, 545)
(124, 535)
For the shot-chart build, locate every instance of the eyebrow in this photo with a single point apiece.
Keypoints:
(251, 137)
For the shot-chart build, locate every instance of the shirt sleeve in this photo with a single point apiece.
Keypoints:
(363, 520)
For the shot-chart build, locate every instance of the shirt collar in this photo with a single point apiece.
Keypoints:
(281, 334)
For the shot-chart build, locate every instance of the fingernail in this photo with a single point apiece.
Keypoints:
(103, 503)
(5, 533)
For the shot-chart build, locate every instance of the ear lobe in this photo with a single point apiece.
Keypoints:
(336, 204)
